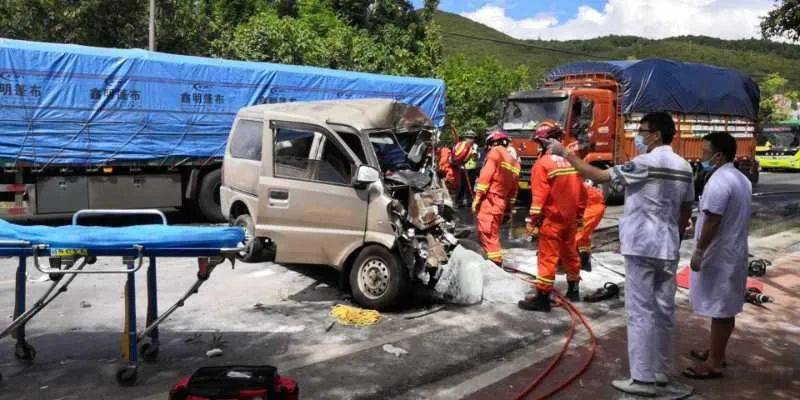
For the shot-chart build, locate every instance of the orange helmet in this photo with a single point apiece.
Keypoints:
(548, 129)
(496, 136)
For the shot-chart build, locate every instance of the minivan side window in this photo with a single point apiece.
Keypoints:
(246, 140)
(310, 155)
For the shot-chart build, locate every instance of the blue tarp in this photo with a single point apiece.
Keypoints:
(68, 104)
(105, 238)
(666, 85)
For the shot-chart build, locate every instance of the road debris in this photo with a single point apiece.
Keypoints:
(394, 350)
(215, 352)
(461, 280)
(354, 316)
(193, 338)
(85, 304)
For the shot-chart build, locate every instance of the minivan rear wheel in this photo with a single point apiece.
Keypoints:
(253, 247)
(378, 279)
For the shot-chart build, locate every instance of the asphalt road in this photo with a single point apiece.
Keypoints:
(271, 314)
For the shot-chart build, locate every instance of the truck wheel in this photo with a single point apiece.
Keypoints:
(472, 246)
(378, 280)
(613, 197)
(208, 196)
(253, 247)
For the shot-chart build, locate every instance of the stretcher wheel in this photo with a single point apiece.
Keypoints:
(126, 376)
(149, 351)
(24, 352)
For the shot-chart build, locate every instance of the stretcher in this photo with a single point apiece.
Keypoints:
(72, 250)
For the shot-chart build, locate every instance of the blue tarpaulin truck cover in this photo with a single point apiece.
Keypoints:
(77, 105)
(666, 85)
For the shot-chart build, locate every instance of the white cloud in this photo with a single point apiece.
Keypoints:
(656, 19)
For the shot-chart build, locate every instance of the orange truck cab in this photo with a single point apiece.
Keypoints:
(600, 104)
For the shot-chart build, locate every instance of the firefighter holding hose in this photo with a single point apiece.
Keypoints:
(556, 215)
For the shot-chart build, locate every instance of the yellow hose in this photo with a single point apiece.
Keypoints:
(349, 315)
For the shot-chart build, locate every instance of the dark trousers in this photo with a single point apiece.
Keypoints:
(465, 186)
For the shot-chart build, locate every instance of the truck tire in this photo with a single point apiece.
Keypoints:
(254, 250)
(378, 279)
(208, 196)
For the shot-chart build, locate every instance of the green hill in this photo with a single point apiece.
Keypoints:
(755, 57)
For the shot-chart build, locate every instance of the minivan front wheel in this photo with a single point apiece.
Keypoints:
(378, 279)
(253, 247)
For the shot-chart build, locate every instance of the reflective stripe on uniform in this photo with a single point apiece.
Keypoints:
(562, 171)
(481, 187)
(494, 255)
(510, 167)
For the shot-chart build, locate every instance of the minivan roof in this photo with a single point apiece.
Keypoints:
(361, 114)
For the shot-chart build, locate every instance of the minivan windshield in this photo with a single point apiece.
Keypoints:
(526, 114)
(392, 150)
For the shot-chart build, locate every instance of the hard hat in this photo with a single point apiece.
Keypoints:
(547, 129)
(496, 136)
(470, 134)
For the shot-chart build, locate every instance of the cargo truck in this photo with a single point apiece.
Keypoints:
(600, 104)
(86, 127)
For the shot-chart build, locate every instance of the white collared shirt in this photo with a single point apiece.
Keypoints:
(657, 184)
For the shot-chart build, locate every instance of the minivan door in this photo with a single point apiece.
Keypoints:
(308, 204)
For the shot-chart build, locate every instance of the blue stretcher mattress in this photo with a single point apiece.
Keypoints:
(106, 238)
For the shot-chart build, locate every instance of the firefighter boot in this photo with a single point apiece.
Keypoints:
(539, 303)
(574, 291)
(586, 261)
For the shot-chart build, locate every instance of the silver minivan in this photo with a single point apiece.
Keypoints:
(348, 184)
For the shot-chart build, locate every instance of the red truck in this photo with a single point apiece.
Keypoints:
(600, 104)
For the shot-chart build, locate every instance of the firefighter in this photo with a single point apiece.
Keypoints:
(465, 160)
(595, 208)
(446, 170)
(556, 214)
(495, 194)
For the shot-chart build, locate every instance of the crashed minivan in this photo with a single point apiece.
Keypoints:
(344, 183)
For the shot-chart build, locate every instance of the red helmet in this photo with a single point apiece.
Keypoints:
(547, 129)
(496, 136)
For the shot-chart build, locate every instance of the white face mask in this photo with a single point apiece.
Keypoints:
(641, 147)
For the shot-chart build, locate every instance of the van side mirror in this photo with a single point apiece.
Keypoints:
(366, 175)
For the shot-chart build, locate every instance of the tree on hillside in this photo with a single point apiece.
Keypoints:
(775, 85)
(474, 88)
(783, 21)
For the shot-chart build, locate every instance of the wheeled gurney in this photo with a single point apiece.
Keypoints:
(71, 248)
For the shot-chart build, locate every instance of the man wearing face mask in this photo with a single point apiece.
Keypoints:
(719, 263)
(658, 203)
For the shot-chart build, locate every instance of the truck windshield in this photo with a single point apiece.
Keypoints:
(526, 114)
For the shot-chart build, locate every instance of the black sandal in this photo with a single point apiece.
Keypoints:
(692, 373)
(609, 290)
(702, 355)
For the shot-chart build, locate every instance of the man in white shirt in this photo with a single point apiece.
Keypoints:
(659, 193)
(719, 263)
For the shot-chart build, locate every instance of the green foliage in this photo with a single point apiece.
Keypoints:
(783, 21)
(774, 84)
(474, 88)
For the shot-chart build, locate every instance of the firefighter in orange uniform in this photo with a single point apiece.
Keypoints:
(556, 214)
(595, 208)
(465, 160)
(446, 170)
(495, 194)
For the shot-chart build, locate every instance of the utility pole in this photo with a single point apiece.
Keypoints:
(152, 28)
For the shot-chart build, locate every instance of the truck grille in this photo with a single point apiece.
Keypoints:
(526, 162)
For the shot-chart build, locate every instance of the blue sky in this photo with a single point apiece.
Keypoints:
(519, 9)
(582, 19)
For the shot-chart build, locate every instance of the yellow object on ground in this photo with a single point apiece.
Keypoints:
(349, 315)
